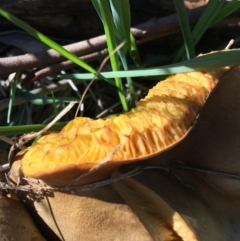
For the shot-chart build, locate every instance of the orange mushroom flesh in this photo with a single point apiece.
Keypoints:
(158, 122)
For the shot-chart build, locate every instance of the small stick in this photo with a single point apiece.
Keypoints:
(152, 29)
(231, 42)
(136, 171)
(98, 72)
(98, 165)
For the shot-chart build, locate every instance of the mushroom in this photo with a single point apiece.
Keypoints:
(153, 204)
(159, 121)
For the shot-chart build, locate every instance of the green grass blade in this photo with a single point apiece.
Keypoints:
(122, 23)
(209, 61)
(213, 8)
(97, 8)
(129, 80)
(133, 52)
(122, 20)
(41, 100)
(210, 12)
(185, 28)
(205, 62)
(46, 40)
(111, 43)
(226, 11)
(55, 111)
(12, 94)
(22, 129)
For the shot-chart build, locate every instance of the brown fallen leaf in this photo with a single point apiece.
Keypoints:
(95, 215)
(15, 222)
(159, 218)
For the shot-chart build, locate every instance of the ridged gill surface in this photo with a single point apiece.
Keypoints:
(159, 120)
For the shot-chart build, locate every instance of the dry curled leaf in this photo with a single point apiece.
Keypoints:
(95, 215)
(159, 218)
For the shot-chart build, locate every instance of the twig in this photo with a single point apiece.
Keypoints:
(7, 140)
(56, 68)
(231, 42)
(182, 166)
(152, 29)
(38, 185)
(95, 168)
(4, 167)
(28, 61)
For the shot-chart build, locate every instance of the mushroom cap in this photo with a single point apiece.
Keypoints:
(158, 122)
